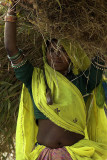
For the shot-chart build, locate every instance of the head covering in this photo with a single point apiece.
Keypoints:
(76, 54)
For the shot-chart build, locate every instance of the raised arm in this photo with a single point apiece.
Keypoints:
(23, 69)
(10, 31)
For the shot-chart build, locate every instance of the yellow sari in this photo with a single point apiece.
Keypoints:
(88, 120)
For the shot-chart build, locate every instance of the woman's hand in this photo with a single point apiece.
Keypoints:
(12, 2)
(12, 7)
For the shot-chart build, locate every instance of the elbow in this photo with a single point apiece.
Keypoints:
(10, 47)
(8, 50)
(7, 47)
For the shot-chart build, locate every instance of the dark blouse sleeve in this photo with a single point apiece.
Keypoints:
(24, 73)
(94, 74)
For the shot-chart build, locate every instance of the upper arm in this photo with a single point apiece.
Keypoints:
(24, 73)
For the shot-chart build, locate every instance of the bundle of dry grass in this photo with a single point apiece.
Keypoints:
(83, 21)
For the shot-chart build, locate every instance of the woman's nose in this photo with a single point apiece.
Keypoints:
(58, 54)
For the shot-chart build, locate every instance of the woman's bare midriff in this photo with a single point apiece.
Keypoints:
(53, 136)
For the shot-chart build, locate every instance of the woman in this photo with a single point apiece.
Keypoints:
(62, 129)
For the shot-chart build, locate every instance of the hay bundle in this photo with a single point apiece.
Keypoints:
(83, 21)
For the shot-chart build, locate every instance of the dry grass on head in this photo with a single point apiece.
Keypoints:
(82, 21)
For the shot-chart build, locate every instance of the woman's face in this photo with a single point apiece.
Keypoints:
(57, 58)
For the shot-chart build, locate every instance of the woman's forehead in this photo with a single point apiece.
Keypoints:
(56, 46)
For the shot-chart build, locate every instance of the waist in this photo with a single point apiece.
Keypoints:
(53, 136)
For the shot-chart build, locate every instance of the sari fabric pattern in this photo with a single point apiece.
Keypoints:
(52, 154)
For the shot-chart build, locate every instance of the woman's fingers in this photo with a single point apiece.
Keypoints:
(4, 4)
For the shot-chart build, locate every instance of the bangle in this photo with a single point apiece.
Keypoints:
(10, 18)
(15, 56)
(99, 65)
(10, 14)
(14, 59)
(99, 68)
(15, 66)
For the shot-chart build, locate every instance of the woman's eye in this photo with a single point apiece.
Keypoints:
(63, 50)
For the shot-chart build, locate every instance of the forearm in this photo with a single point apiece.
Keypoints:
(10, 38)
(10, 35)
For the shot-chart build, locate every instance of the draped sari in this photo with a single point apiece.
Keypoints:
(68, 111)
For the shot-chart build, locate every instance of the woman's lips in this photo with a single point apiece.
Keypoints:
(58, 61)
(59, 66)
